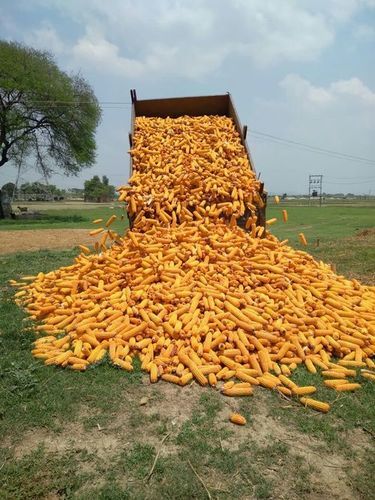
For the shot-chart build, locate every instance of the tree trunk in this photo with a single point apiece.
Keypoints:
(3, 157)
(5, 206)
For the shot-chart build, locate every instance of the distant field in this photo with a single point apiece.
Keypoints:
(341, 235)
(325, 223)
(61, 215)
(365, 201)
(60, 205)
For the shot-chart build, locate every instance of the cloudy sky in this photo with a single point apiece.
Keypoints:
(298, 70)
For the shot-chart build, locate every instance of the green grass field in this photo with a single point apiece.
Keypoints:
(86, 435)
(342, 235)
(325, 223)
(73, 215)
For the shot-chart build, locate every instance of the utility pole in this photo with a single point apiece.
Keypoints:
(315, 187)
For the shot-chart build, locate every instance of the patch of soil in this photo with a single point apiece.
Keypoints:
(39, 239)
(364, 233)
(359, 440)
(166, 407)
(329, 471)
(161, 403)
(119, 433)
(71, 437)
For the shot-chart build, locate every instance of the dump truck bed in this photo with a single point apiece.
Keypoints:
(174, 107)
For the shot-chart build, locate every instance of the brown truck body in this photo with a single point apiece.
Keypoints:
(195, 106)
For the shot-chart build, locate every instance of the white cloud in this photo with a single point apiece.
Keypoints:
(159, 38)
(354, 88)
(337, 11)
(343, 10)
(192, 39)
(94, 49)
(45, 38)
(283, 32)
(304, 91)
(160, 58)
(198, 18)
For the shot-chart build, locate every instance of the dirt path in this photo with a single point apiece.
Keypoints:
(38, 239)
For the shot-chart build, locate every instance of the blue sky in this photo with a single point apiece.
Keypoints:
(297, 69)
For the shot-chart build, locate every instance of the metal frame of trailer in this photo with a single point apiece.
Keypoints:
(195, 106)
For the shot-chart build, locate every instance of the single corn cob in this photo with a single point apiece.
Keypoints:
(316, 405)
(237, 419)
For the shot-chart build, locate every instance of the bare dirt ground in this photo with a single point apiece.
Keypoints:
(365, 233)
(329, 477)
(38, 239)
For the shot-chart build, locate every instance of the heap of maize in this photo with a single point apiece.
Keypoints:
(193, 295)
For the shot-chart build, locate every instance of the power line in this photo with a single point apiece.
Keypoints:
(50, 101)
(308, 147)
(256, 133)
(310, 150)
(347, 183)
(316, 148)
(61, 104)
(351, 178)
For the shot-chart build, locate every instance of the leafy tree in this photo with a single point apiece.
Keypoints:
(32, 187)
(39, 188)
(44, 112)
(75, 193)
(99, 190)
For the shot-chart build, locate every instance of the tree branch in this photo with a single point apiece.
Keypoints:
(40, 123)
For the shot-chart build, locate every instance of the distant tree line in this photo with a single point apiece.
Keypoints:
(99, 191)
(95, 190)
(38, 190)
